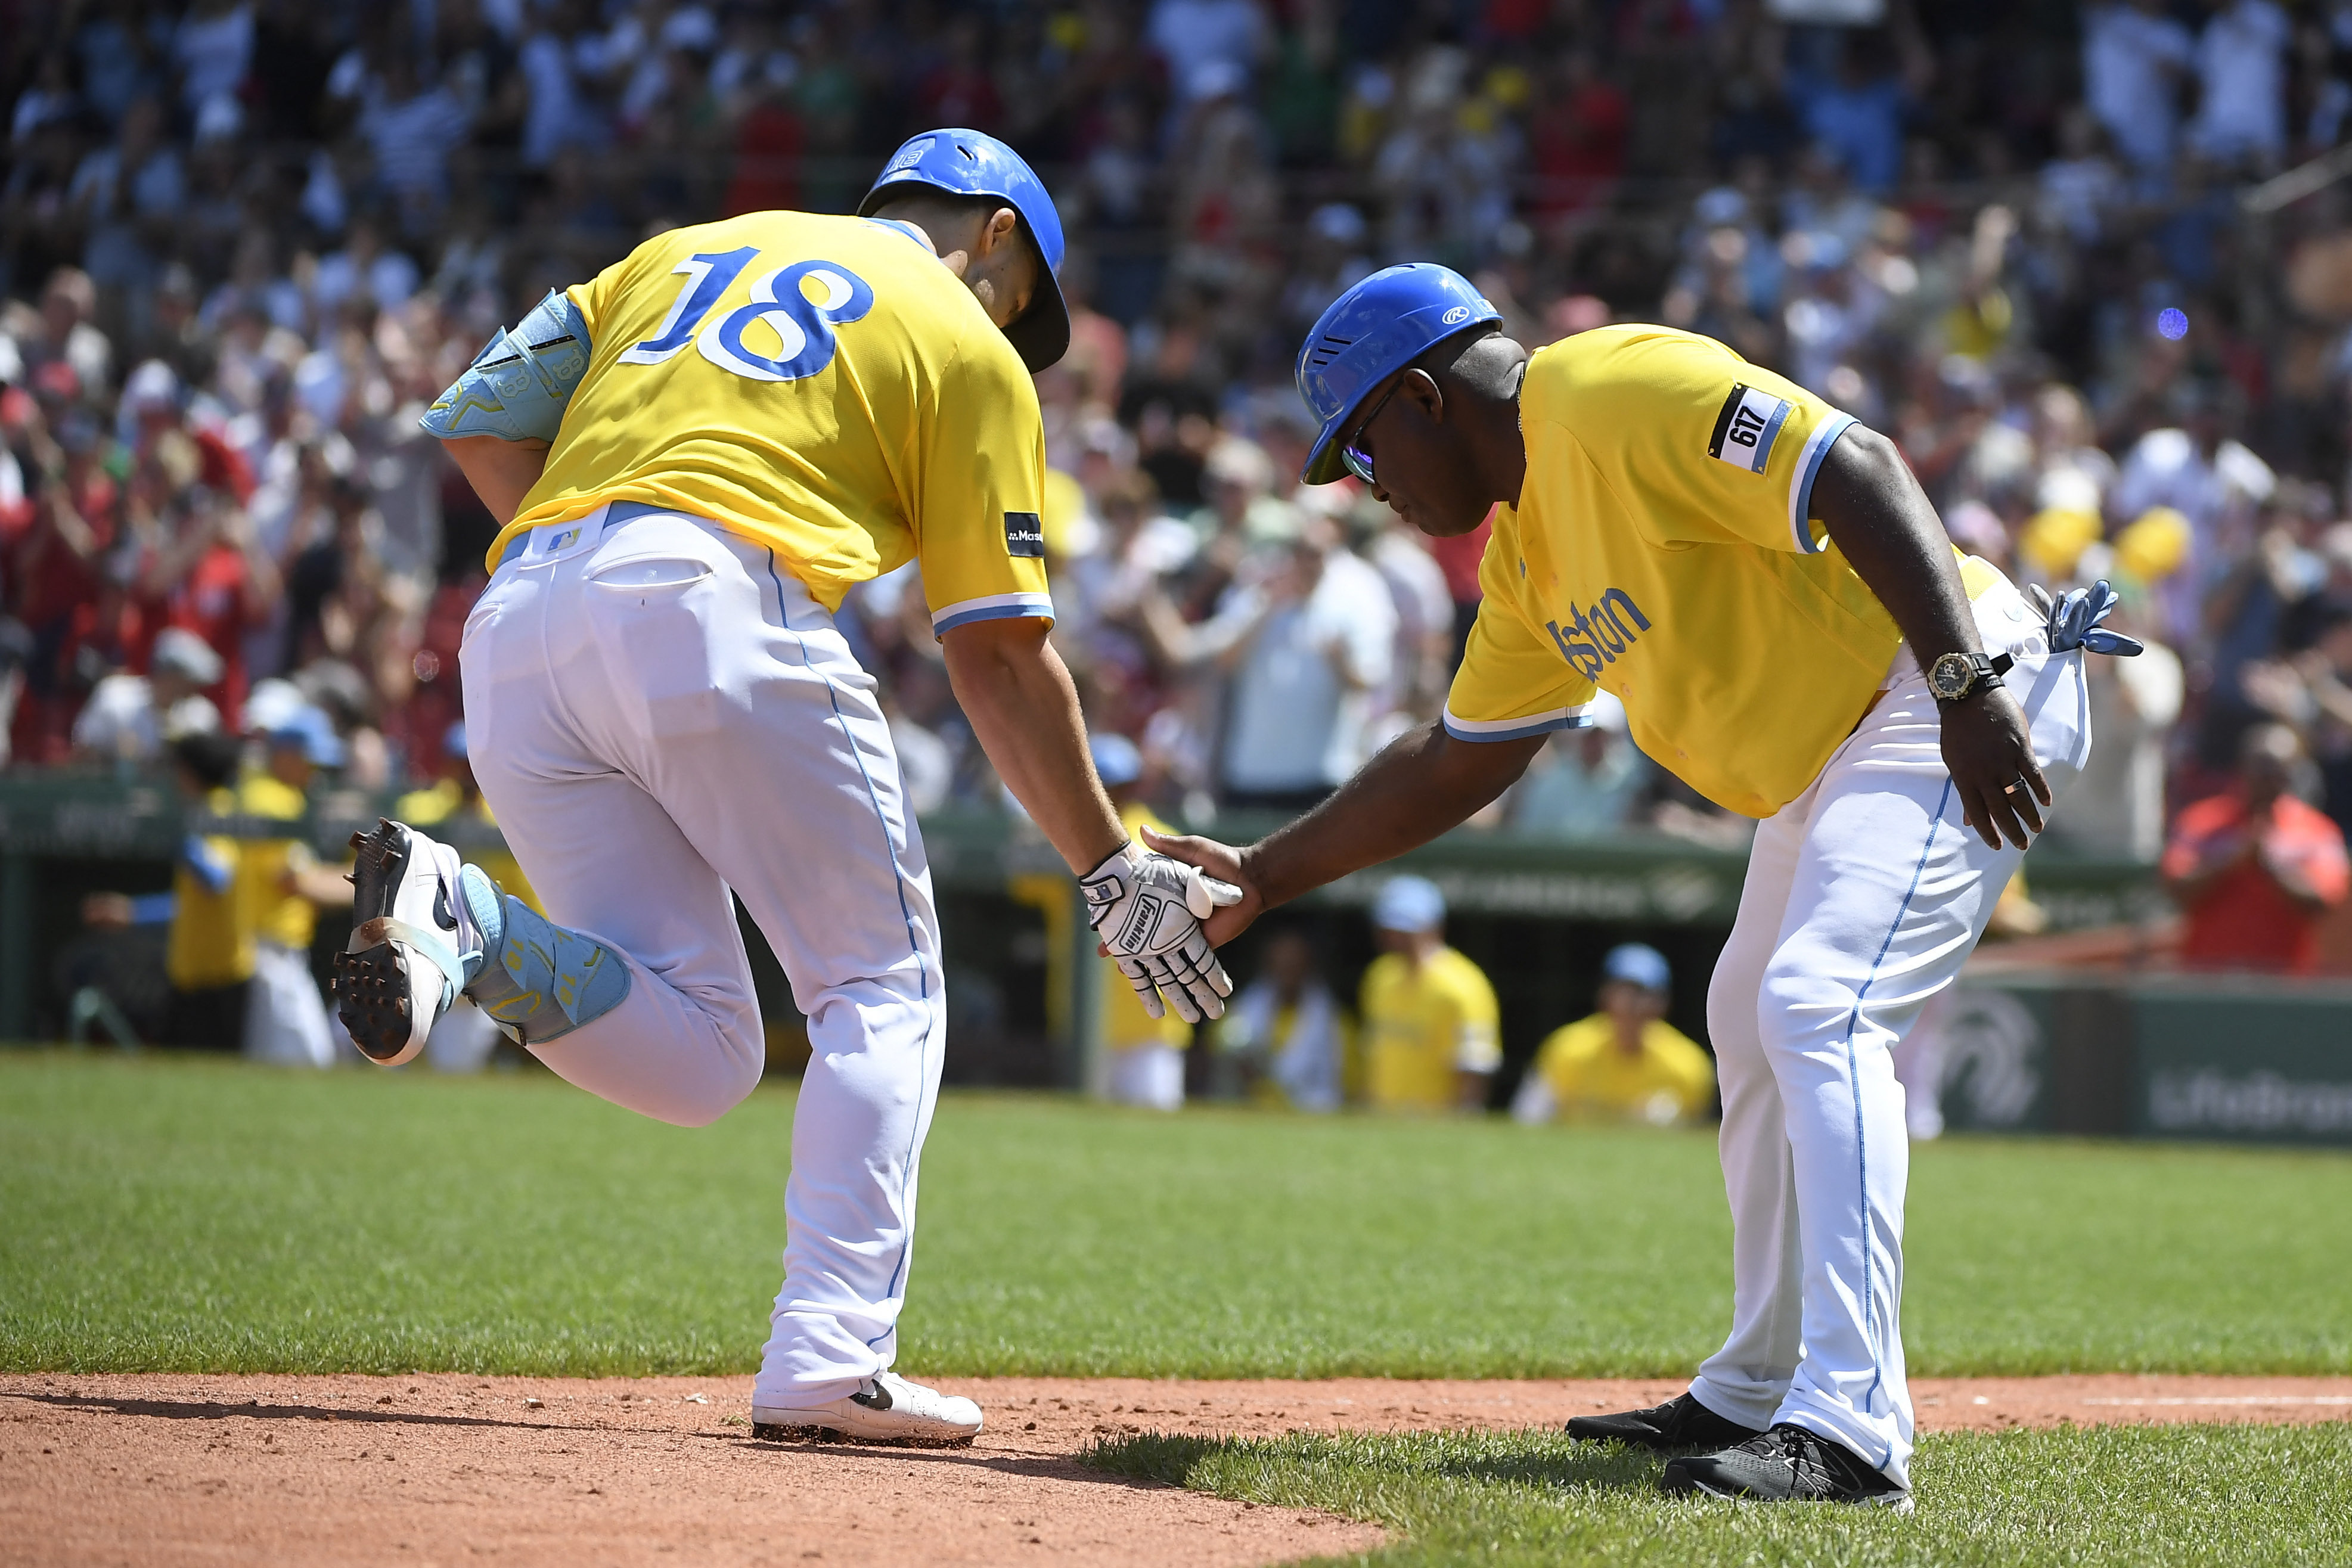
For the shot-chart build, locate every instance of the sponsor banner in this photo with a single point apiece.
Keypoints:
(2264, 1060)
(2235, 1058)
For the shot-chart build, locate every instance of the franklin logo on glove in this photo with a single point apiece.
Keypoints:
(1148, 908)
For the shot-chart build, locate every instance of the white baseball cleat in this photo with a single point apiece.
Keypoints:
(404, 966)
(886, 1408)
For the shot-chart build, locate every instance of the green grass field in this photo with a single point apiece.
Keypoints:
(2118, 1496)
(200, 1216)
(206, 1216)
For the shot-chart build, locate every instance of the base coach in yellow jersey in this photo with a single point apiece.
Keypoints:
(695, 455)
(1761, 582)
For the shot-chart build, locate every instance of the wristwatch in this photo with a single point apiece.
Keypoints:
(1955, 677)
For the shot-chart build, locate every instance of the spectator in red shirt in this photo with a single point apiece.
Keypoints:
(152, 399)
(198, 565)
(959, 90)
(53, 548)
(2256, 868)
(1577, 138)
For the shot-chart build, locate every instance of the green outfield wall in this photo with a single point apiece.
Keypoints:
(2172, 1057)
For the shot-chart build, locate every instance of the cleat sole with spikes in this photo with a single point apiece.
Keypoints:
(387, 992)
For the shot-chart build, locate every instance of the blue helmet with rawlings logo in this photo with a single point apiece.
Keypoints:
(1370, 332)
(969, 163)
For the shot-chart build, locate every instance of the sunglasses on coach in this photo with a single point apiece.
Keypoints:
(1354, 454)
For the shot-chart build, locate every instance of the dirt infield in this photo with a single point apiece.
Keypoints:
(447, 1469)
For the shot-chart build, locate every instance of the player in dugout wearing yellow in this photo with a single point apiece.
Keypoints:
(1761, 582)
(694, 455)
(1625, 1063)
(285, 1019)
(1430, 1028)
(211, 909)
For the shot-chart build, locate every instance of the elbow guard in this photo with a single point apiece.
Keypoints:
(517, 386)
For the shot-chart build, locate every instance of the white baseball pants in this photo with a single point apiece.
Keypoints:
(659, 715)
(1150, 1076)
(1864, 894)
(285, 1013)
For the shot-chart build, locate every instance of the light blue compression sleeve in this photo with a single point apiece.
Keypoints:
(517, 386)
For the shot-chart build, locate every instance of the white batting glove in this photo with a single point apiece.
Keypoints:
(1147, 909)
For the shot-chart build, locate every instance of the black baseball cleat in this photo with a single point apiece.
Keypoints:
(1788, 1464)
(1681, 1422)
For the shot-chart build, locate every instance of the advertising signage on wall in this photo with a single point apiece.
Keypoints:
(2247, 1059)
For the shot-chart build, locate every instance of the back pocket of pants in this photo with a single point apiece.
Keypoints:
(656, 618)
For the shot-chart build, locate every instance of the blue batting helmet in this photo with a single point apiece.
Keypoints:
(312, 733)
(1640, 964)
(1370, 332)
(1118, 761)
(1409, 903)
(967, 163)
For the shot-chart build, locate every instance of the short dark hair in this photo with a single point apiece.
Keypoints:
(209, 754)
(915, 196)
(1480, 358)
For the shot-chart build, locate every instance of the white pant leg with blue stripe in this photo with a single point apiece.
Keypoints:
(1863, 898)
(659, 715)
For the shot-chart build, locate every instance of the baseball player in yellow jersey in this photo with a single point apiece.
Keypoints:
(1624, 1062)
(285, 1020)
(696, 455)
(1432, 1028)
(1763, 585)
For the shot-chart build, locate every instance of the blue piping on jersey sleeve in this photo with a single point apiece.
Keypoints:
(995, 607)
(1809, 468)
(1771, 434)
(209, 867)
(1522, 729)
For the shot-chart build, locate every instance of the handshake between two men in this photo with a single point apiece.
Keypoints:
(1149, 911)
(1161, 920)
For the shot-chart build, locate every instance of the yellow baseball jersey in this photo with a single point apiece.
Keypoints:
(210, 942)
(1589, 1075)
(1663, 549)
(280, 913)
(822, 386)
(1423, 1023)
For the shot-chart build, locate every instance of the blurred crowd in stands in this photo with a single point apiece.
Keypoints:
(2046, 246)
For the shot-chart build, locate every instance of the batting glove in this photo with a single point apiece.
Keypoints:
(2073, 619)
(1147, 909)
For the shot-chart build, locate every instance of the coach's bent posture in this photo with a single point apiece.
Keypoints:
(1763, 585)
(695, 456)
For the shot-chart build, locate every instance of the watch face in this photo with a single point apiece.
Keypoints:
(1948, 679)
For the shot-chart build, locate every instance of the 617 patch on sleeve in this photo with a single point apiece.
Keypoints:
(1747, 427)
